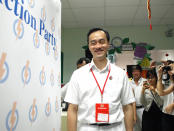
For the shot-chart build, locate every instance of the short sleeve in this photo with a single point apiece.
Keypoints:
(127, 96)
(72, 91)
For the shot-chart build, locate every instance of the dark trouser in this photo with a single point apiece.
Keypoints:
(151, 120)
(167, 122)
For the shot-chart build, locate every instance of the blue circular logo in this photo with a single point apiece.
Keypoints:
(18, 28)
(26, 80)
(47, 113)
(32, 119)
(43, 14)
(10, 125)
(31, 3)
(6, 73)
(42, 78)
(36, 40)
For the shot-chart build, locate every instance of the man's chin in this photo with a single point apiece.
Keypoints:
(100, 57)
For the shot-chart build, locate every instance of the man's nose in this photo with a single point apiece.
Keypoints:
(98, 45)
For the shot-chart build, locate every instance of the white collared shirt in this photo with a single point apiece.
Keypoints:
(84, 92)
(137, 90)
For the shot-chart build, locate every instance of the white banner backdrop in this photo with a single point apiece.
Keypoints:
(30, 77)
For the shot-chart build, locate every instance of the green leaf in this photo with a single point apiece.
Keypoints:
(149, 47)
(150, 59)
(133, 45)
(147, 55)
(118, 50)
(125, 40)
(85, 47)
(139, 62)
(112, 51)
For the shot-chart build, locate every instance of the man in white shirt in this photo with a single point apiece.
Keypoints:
(99, 93)
(137, 84)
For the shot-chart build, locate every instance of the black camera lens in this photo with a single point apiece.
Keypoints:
(167, 68)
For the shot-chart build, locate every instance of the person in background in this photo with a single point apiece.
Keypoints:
(152, 114)
(80, 62)
(136, 84)
(168, 96)
(99, 93)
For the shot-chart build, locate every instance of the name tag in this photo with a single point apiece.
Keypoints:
(102, 112)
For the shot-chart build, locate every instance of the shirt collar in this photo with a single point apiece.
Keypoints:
(94, 67)
(139, 81)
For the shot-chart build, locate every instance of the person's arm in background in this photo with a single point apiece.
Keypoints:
(169, 108)
(128, 119)
(72, 117)
(160, 87)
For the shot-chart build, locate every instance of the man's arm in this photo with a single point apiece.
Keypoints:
(135, 113)
(72, 117)
(128, 116)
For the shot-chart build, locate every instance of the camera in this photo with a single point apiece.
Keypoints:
(167, 68)
(166, 76)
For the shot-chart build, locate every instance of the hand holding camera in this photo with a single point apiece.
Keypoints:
(146, 85)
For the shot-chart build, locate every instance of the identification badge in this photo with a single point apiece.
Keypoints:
(102, 112)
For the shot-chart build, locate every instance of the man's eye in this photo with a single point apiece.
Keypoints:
(102, 41)
(93, 42)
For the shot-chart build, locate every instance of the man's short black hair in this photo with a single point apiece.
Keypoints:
(98, 29)
(80, 61)
(136, 67)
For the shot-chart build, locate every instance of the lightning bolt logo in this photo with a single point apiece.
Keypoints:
(26, 72)
(36, 38)
(43, 75)
(55, 53)
(13, 117)
(52, 78)
(19, 29)
(4, 69)
(2, 61)
(43, 14)
(33, 109)
(47, 48)
(31, 2)
(48, 107)
(52, 24)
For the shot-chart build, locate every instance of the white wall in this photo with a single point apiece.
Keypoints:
(29, 67)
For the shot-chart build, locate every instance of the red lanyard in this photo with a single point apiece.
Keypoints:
(102, 91)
